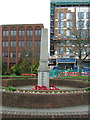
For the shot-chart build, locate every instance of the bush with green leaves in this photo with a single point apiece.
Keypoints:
(4, 68)
(10, 88)
(15, 69)
(87, 89)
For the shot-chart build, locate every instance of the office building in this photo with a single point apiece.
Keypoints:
(17, 39)
(69, 19)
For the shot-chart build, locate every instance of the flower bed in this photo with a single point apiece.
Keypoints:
(33, 75)
(52, 87)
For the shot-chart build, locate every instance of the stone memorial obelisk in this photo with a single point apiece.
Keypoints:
(43, 70)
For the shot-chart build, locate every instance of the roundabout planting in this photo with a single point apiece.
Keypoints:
(41, 97)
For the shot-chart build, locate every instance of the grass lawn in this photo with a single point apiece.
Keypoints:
(62, 77)
(75, 77)
(14, 76)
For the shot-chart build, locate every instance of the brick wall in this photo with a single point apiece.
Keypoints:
(46, 100)
(57, 82)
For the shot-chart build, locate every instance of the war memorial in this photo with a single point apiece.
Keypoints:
(45, 98)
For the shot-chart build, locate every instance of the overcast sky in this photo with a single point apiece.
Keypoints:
(25, 12)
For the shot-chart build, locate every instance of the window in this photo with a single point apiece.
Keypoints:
(80, 15)
(61, 16)
(51, 11)
(69, 33)
(51, 35)
(21, 43)
(80, 24)
(88, 49)
(37, 43)
(51, 23)
(13, 43)
(13, 33)
(60, 50)
(12, 54)
(5, 33)
(68, 50)
(88, 33)
(69, 24)
(51, 17)
(21, 32)
(88, 24)
(68, 43)
(29, 43)
(5, 44)
(83, 52)
(37, 32)
(81, 34)
(61, 24)
(69, 15)
(51, 30)
(29, 32)
(60, 43)
(19, 54)
(4, 54)
(88, 15)
(61, 32)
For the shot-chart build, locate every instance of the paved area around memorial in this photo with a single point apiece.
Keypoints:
(81, 108)
(77, 111)
(60, 87)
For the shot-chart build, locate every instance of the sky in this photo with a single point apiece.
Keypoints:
(25, 12)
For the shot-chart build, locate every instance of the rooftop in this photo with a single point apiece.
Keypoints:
(70, 1)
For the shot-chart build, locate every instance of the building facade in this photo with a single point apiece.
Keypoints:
(17, 39)
(69, 21)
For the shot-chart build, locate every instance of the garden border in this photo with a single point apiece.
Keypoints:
(43, 100)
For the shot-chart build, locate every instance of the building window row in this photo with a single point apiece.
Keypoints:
(13, 54)
(69, 24)
(61, 16)
(21, 43)
(62, 24)
(80, 33)
(69, 50)
(68, 32)
(81, 24)
(21, 32)
(82, 15)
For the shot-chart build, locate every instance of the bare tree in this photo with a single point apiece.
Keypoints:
(80, 41)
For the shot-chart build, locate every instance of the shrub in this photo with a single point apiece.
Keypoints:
(87, 89)
(10, 88)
